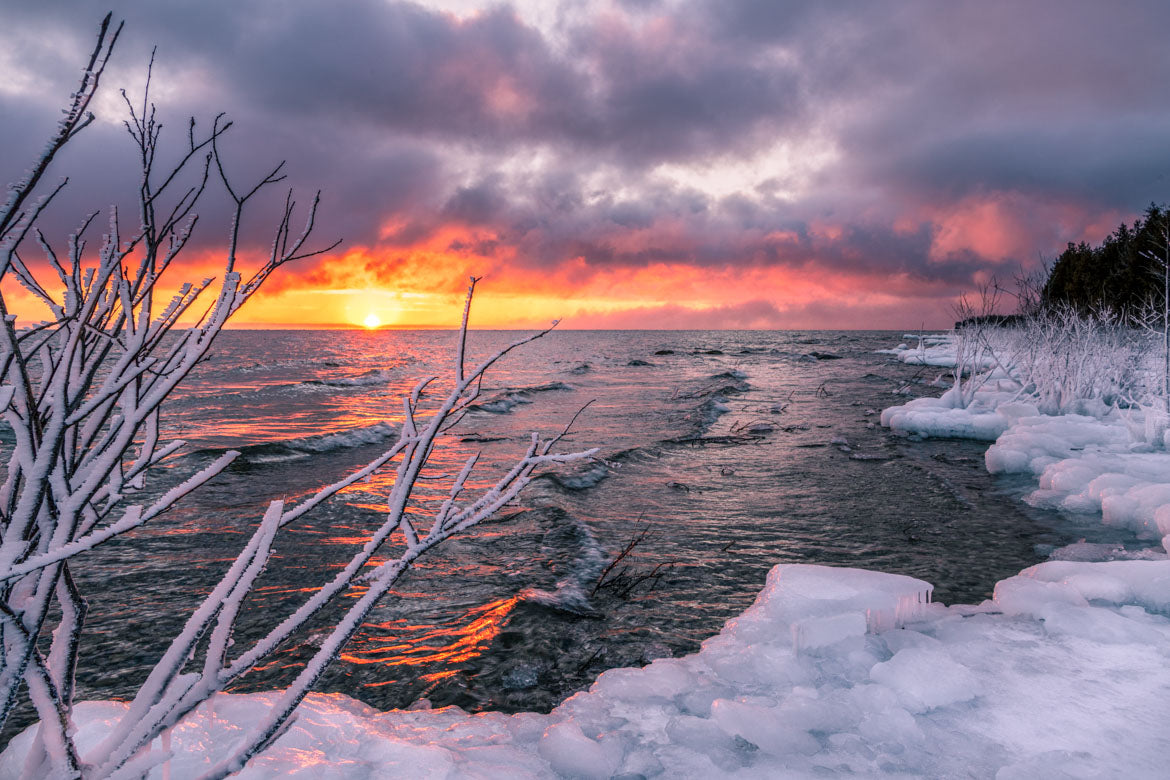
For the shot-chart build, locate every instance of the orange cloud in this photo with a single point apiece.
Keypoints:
(423, 287)
(1007, 226)
(416, 277)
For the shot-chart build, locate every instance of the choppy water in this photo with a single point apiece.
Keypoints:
(732, 451)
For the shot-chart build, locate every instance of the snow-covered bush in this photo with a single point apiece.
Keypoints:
(973, 351)
(1070, 361)
(82, 394)
(1058, 361)
(1060, 357)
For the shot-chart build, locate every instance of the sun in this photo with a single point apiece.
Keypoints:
(371, 321)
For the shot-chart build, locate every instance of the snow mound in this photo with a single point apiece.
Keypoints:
(1086, 464)
(943, 418)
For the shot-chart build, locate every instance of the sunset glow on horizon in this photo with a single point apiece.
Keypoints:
(652, 164)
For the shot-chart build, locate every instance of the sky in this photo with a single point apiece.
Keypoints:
(626, 163)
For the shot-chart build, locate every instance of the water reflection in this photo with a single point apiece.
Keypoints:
(451, 643)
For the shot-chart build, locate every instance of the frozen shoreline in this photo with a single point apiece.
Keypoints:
(831, 671)
(1088, 463)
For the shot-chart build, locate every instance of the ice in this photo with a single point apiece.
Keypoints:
(824, 604)
(939, 350)
(946, 683)
(763, 726)
(825, 631)
(664, 678)
(1088, 463)
(1067, 670)
(939, 418)
(933, 350)
(1144, 583)
(572, 754)
(1033, 443)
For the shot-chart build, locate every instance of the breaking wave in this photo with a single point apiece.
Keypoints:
(579, 559)
(303, 447)
(580, 478)
(375, 376)
(509, 399)
(714, 394)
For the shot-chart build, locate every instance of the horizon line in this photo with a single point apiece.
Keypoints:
(452, 329)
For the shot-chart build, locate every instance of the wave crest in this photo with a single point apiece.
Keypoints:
(508, 399)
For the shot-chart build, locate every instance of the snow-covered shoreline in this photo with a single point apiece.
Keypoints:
(1087, 463)
(832, 671)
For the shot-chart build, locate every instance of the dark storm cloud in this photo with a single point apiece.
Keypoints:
(488, 80)
(1050, 99)
(412, 119)
(861, 250)
(361, 96)
(1112, 164)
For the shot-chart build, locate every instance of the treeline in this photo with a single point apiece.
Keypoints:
(1124, 274)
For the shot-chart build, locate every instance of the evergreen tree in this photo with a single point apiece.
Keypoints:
(1118, 275)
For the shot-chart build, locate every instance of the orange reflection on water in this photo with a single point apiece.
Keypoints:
(277, 589)
(354, 540)
(466, 641)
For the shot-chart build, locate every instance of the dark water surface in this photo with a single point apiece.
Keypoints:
(730, 451)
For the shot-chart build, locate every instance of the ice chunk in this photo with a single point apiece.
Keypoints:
(925, 678)
(812, 633)
(763, 726)
(1032, 443)
(942, 418)
(572, 754)
(662, 679)
(1025, 596)
(894, 725)
(1144, 583)
(805, 596)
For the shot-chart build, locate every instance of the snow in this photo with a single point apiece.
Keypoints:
(937, 350)
(939, 417)
(1066, 673)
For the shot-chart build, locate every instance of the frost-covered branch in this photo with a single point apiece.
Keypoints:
(170, 693)
(82, 392)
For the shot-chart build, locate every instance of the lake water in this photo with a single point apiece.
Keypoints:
(727, 452)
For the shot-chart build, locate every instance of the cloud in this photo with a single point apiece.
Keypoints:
(930, 142)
